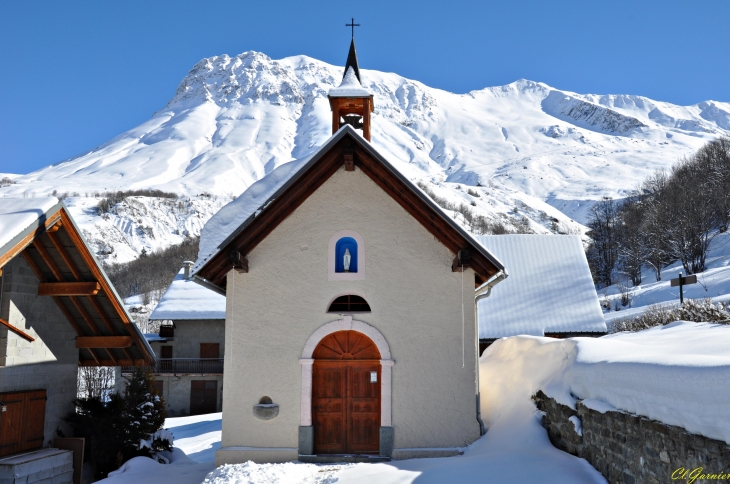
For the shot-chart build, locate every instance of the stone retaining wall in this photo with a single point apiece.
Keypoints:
(630, 449)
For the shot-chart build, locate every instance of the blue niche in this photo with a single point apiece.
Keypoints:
(345, 243)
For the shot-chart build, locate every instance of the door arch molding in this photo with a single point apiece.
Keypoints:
(386, 363)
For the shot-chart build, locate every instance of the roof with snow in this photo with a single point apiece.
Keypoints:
(18, 214)
(549, 288)
(185, 299)
(43, 233)
(349, 87)
(246, 220)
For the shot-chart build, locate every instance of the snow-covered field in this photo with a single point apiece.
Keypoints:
(675, 374)
(713, 283)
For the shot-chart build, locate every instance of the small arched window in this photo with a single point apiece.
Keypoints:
(349, 303)
(346, 255)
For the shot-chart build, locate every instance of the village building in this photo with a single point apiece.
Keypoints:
(58, 311)
(350, 326)
(549, 291)
(189, 346)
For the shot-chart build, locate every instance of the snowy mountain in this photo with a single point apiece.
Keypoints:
(533, 148)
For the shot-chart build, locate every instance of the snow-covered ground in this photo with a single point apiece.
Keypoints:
(713, 283)
(675, 374)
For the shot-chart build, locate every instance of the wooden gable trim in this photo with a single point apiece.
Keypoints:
(77, 289)
(275, 213)
(106, 290)
(309, 181)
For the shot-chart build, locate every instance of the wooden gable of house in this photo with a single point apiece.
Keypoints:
(68, 273)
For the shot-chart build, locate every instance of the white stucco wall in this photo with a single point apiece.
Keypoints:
(416, 304)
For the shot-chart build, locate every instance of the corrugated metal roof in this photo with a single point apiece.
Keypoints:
(549, 288)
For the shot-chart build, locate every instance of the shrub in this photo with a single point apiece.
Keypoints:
(696, 310)
(119, 426)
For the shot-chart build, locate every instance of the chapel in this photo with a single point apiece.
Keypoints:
(350, 328)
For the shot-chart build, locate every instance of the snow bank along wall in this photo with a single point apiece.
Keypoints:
(628, 448)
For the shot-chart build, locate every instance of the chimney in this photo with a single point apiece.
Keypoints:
(187, 265)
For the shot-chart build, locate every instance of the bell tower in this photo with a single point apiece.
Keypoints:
(350, 102)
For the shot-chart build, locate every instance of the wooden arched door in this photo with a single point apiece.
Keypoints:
(346, 395)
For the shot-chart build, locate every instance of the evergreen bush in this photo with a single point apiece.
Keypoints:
(119, 426)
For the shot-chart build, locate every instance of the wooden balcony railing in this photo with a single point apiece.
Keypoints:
(167, 331)
(184, 366)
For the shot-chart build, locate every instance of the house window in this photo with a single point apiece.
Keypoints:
(346, 255)
(165, 352)
(349, 303)
(209, 350)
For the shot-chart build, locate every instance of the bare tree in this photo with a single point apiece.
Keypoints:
(95, 382)
(604, 233)
(657, 222)
(633, 249)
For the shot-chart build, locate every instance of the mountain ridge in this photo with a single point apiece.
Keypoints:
(535, 150)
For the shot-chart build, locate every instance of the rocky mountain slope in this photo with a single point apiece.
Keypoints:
(540, 154)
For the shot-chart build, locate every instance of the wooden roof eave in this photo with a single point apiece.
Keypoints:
(107, 289)
(442, 226)
(49, 223)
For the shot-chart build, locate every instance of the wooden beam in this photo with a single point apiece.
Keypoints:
(64, 255)
(107, 322)
(33, 266)
(90, 323)
(349, 162)
(46, 256)
(68, 288)
(106, 289)
(103, 341)
(17, 331)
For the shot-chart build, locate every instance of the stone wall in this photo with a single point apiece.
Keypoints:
(628, 448)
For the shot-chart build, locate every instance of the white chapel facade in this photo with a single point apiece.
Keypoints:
(350, 316)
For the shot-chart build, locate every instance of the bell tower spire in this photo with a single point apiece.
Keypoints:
(350, 102)
(352, 62)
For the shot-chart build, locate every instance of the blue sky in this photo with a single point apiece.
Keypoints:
(75, 74)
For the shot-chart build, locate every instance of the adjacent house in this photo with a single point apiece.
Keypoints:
(58, 311)
(549, 291)
(350, 327)
(189, 346)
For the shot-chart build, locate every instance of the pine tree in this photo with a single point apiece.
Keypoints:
(118, 427)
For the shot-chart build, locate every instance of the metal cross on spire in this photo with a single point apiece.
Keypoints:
(353, 25)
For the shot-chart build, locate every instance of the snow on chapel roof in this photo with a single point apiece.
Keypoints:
(232, 219)
(549, 290)
(185, 299)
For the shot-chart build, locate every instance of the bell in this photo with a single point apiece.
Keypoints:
(354, 120)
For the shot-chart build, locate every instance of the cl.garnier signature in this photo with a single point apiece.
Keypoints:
(698, 473)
